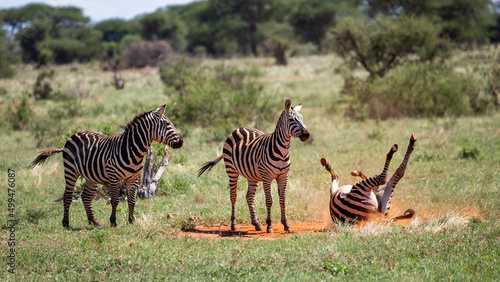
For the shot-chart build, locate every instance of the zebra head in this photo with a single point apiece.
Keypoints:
(293, 122)
(165, 131)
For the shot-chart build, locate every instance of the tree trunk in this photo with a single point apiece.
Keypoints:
(152, 174)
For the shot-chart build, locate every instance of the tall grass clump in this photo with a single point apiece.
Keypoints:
(415, 90)
(220, 97)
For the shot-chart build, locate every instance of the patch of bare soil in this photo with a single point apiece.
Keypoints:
(248, 231)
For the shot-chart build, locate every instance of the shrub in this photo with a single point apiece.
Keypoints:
(413, 90)
(220, 97)
(147, 53)
(42, 88)
(469, 153)
(19, 116)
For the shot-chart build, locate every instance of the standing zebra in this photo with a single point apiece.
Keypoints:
(103, 159)
(260, 156)
(364, 199)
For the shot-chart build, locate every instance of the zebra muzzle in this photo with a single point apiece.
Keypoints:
(304, 135)
(178, 144)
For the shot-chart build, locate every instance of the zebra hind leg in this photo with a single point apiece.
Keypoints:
(387, 191)
(70, 176)
(252, 188)
(87, 197)
(233, 185)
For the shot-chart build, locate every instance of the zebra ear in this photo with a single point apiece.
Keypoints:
(288, 104)
(298, 107)
(161, 110)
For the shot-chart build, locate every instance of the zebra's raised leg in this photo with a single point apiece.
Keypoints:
(358, 173)
(87, 197)
(233, 185)
(252, 188)
(132, 185)
(282, 181)
(386, 192)
(269, 203)
(335, 176)
(114, 193)
(70, 176)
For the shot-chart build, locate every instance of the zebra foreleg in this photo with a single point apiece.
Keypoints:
(132, 185)
(282, 182)
(87, 197)
(70, 176)
(114, 193)
(233, 185)
(269, 203)
(252, 188)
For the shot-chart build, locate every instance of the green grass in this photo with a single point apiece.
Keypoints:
(448, 191)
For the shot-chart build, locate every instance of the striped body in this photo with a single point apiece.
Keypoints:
(103, 159)
(261, 157)
(364, 200)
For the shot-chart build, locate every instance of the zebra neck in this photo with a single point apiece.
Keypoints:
(136, 143)
(281, 141)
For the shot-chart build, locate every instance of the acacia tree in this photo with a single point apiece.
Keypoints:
(378, 45)
(463, 21)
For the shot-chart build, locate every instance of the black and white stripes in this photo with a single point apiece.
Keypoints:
(364, 200)
(102, 159)
(259, 156)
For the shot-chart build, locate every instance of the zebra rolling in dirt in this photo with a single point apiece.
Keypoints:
(103, 159)
(261, 157)
(364, 200)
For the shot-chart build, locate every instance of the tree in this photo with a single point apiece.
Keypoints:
(35, 23)
(113, 30)
(311, 18)
(162, 25)
(465, 21)
(378, 45)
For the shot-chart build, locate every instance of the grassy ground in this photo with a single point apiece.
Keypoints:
(456, 236)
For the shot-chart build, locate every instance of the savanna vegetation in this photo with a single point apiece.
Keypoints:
(368, 73)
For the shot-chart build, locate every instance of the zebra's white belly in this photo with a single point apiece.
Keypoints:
(371, 200)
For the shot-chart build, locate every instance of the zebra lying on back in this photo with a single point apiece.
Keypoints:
(364, 200)
(103, 159)
(260, 156)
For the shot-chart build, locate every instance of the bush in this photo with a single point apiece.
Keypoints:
(413, 90)
(220, 97)
(147, 53)
(20, 115)
(42, 88)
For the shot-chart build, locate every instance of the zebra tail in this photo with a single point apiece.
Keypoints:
(43, 157)
(208, 165)
(409, 213)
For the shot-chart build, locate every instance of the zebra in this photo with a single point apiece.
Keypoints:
(364, 200)
(261, 157)
(103, 159)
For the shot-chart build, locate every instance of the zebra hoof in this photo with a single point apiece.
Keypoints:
(95, 223)
(65, 223)
(258, 227)
(233, 228)
(270, 229)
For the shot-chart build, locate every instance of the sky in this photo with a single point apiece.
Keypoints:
(99, 10)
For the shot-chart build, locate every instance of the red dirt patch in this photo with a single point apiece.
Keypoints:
(248, 231)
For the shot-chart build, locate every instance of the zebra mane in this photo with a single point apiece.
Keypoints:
(136, 119)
